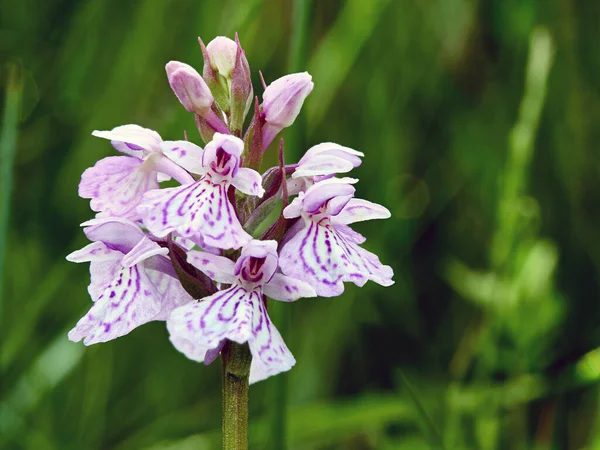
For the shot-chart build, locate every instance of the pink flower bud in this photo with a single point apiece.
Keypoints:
(221, 52)
(284, 97)
(189, 87)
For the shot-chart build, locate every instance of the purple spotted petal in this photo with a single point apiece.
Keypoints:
(172, 293)
(185, 154)
(132, 139)
(287, 289)
(237, 315)
(270, 355)
(357, 210)
(201, 208)
(324, 258)
(224, 315)
(105, 263)
(116, 185)
(129, 301)
(349, 234)
(217, 268)
(248, 181)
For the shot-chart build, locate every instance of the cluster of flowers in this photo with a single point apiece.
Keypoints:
(186, 254)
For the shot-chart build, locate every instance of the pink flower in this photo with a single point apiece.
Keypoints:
(202, 209)
(323, 250)
(116, 184)
(238, 313)
(132, 281)
(282, 101)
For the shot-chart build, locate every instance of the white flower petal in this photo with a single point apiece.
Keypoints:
(248, 181)
(217, 268)
(128, 302)
(185, 154)
(357, 210)
(287, 289)
(201, 208)
(270, 355)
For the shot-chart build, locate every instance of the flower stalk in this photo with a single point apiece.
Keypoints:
(236, 359)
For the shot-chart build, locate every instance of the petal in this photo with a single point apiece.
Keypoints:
(349, 234)
(161, 164)
(311, 256)
(224, 315)
(131, 139)
(322, 165)
(324, 258)
(287, 289)
(217, 268)
(358, 210)
(321, 192)
(201, 208)
(294, 209)
(105, 263)
(248, 181)
(270, 355)
(102, 273)
(172, 293)
(144, 249)
(193, 350)
(185, 154)
(120, 234)
(116, 185)
(96, 251)
(333, 149)
(128, 302)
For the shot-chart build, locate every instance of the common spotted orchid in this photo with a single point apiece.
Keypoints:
(324, 252)
(145, 262)
(116, 184)
(132, 281)
(203, 209)
(239, 313)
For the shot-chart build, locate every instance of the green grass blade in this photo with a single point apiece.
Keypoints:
(8, 143)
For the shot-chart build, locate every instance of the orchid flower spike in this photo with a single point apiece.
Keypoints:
(282, 101)
(202, 208)
(238, 313)
(321, 162)
(116, 184)
(132, 281)
(324, 251)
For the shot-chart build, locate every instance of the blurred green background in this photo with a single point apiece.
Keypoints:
(479, 121)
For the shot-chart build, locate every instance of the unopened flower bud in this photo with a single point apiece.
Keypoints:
(221, 52)
(227, 73)
(189, 87)
(241, 92)
(284, 97)
(282, 101)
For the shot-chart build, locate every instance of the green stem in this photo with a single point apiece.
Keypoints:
(236, 360)
(8, 143)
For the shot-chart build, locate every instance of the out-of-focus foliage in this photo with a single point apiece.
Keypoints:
(479, 121)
